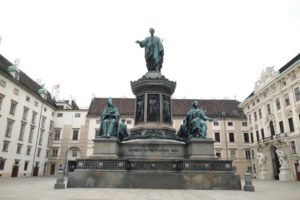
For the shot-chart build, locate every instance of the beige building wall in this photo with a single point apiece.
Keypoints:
(69, 140)
(24, 148)
(273, 112)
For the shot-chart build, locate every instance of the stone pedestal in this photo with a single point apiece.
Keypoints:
(153, 99)
(106, 148)
(264, 175)
(60, 182)
(285, 174)
(248, 183)
(152, 156)
(198, 148)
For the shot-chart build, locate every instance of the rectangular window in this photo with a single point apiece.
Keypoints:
(51, 125)
(1, 100)
(57, 134)
(19, 148)
(2, 164)
(246, 137)
(251, 137)
(2, 83)
(269, 109)
(33, 119)
(252, 154)
(28, 151)
(47, 154)
(259, 113)
(244, 123)
(255, 116)
(218, 154)
(39, 152)
(27, 98)
(31, 133)
(297, 93)
(13, 106)
(75, 135)
(59, 115)
(217, 137)
(41, 138)
(278, 104)
(232, 154)
(22, 131)
(9, 128)
(262, 133)
(257, 136)
(16, 91)
(5, 146)
(25, 113)
(287, 100)
(74, 153)
(250, 120)
(43, 122)
(229, 123)
(231, 137)
(291, 124)
(26, 165)
(281, 127)
(216, 123)
(247, 154)
(77, 115)
(54, 152)
(293, 147)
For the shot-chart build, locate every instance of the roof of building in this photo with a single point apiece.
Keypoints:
(180, 107)
(281, 70)
(24, 80)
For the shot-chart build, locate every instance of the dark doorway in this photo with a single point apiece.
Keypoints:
(72, 165)
(272, 130)
(52, 169)
(15, 171)
(297, 167)
(275, 162)
(35, 171)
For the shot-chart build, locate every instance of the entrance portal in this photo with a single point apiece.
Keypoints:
(52, 169)
(15, 171)
(275, 162)
(72, 165)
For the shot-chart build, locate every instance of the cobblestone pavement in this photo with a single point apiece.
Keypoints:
(42, 188)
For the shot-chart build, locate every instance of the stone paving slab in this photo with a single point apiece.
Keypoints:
(42, 188)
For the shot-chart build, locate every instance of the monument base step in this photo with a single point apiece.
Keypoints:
(154, 180)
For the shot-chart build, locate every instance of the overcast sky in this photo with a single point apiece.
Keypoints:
(213, 48)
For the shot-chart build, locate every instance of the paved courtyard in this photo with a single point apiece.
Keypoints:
(41, 188)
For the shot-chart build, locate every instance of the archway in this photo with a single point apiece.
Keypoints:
(275, 162)
(72, 155)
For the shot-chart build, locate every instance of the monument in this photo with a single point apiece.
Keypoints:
(152, 154)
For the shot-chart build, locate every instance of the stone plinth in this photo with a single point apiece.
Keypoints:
(60, 182)
(248, 183)
(264, 175)
(154, 180)
(198, 148)
(106, 148)
(285, 174)
(172, 174)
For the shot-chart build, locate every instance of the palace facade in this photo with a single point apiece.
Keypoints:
(273, 112)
